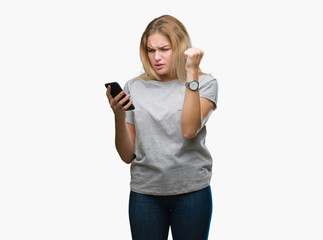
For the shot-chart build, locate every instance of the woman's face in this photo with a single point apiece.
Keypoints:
(160, 55)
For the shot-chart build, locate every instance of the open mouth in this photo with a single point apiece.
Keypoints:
(159, 66)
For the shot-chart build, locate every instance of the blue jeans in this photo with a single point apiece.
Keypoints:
(188, 215)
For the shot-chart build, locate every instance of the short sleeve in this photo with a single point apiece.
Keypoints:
(209, 88)
(130, 113)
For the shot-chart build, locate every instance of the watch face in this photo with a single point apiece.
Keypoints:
(194, 85)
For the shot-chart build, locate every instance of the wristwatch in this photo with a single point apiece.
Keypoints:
(193, 85)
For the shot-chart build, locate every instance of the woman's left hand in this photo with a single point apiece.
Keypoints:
(193, 58)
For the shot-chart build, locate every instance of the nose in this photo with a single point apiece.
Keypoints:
(157, 55)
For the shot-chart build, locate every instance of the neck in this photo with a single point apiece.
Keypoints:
(167, 78)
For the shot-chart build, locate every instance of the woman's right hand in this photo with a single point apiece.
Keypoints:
(124, 132)
(116, 105)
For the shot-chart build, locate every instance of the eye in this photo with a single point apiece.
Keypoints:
(165, 49)
(150, 50)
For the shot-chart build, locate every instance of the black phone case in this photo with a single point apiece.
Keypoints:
(115, 90)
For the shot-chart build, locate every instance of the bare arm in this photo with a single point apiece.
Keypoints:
(195, 109)
(124, 132)
(125, 140)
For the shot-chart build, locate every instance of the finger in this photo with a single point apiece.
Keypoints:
(123, 100)
(128, 105)
(187, 53)
(192, 52)
(197, 52)
(119, 96)
(108, 93)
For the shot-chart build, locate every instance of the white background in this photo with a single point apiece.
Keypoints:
(60, 175)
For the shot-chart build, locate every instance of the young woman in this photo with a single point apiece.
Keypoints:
(164, 137)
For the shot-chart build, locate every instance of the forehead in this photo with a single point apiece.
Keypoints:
(157, 40)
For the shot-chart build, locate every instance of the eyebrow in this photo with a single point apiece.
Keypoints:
(164, 46)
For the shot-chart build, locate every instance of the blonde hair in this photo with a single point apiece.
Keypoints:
(179, 39)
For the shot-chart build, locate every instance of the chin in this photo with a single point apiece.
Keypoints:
(162, 72)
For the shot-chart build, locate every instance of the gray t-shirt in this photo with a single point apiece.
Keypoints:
(166, 163)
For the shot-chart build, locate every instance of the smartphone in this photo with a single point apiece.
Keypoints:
(115, 90)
